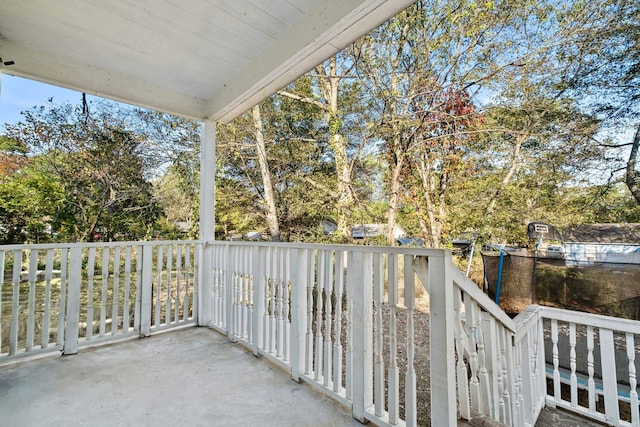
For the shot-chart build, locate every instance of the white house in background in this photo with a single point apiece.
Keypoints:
(610, 243)
(363, 231)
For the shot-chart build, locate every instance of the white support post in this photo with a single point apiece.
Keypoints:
(442, 327)
(609, 377)
(299, 267)
(73, 302)
(146, 293)
(360, 281)
(207, 219)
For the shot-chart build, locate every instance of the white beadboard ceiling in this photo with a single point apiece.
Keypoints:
(202, 59)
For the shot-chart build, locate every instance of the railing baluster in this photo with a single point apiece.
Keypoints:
(394, 372)
(246, 279)
(518, 398)
(280, 283)
(503, 384)
(286, 265)
(273, 271)
(47, 299)
(308, 351)
(257, 299)
(126, 310)
(337, 345)
(225, 285)
(378, 339)
(556, 360)
(473, 326)
(139, 273)
(164, 284)
(266, 300)
(349, 326)
(215, 290)
(17, 269)
(232, 299)
(187, 282)
(528, 396)
(507, 373)
(158, 286)
(486, 399)
(318, 366)
(461, 367)
(410, 376)
(32, 274)
(251, 278)
(633, 392)
(116, 291)
(242, 295)
(178, 299)
(90, 273)
(328, 317)
(105, 280)
(572, 364)
(64, 256)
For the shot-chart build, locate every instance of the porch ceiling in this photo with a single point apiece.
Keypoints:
(202, 59)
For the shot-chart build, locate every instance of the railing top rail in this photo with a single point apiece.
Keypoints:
(352, 248)
(92, 244)
(526, 320)
(470, 288)
(596, 320)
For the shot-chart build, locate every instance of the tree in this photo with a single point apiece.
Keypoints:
(271, 213)
(337, 100)
(95, 170)
(273, 162)
(603, 65)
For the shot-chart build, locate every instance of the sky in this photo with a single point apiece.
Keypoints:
(18, 94)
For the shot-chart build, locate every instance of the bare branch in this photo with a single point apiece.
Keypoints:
(304, 99)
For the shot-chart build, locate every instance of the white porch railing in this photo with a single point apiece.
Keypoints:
(508, 370)
(499, 361)
(330, 315)
(342, 318)
(592, 365)
(59, 297)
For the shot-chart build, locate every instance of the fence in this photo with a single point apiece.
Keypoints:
(341, 318)
(344, 319)
(592, 365)
(59, 297)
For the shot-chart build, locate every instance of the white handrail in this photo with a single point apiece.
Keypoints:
(470, 288)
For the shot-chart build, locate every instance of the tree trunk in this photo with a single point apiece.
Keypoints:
(271, 213)
(428, 187)
(515, 161)
(330, 84)
(394, 197)
(631, 178)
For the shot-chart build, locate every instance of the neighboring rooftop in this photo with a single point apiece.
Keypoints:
(603, 233)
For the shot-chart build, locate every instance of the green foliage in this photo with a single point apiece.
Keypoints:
(452, 117)
(85, 177)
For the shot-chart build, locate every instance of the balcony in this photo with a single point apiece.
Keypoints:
(346, 322)
(161, 381)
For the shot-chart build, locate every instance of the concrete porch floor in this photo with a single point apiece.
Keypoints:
(188, 377)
